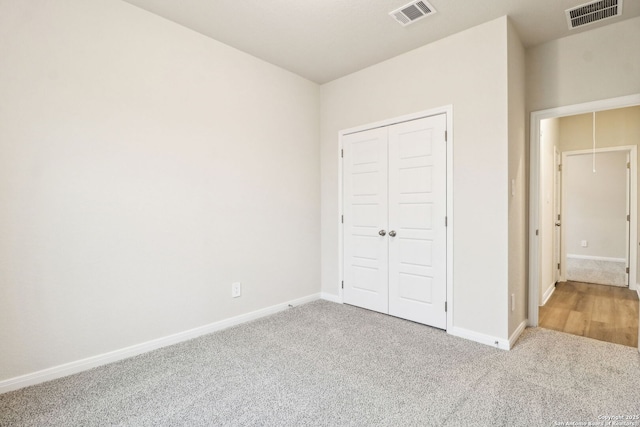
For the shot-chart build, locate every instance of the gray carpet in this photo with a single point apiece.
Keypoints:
(329, 364)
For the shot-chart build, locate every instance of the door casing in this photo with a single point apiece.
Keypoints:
(557, 203)
(534, 188)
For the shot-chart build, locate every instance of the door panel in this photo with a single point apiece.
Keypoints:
(417, 210)
(416, 216)
(365, 214)
(414, 180)
(415, 287)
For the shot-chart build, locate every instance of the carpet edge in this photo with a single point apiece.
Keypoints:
(77, 366)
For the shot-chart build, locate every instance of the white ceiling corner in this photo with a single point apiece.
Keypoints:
(322, 40)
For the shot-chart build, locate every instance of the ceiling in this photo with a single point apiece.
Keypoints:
(322, 40)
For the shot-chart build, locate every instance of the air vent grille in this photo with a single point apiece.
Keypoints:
(593, 12)
(412, 12)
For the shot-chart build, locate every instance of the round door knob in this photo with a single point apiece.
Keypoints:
(557, 224)
(392, 233)
(382, 232)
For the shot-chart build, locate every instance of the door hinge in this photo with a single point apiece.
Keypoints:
(628, 165)
(558, 266)
(445, 306)
(627, 270)
(343, 284)
(628, 217)
(536, 232)
(446, 136)
(342, 219)
(341, 153)
(446, 222)
(559, 168)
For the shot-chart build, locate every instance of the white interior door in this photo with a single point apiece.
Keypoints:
(365, 220)
(417, 214)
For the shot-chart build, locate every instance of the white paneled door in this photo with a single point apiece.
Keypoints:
(417, 212)
(365, 220)
(394, 220)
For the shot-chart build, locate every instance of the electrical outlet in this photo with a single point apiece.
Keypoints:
(236, 289)
(584, 243)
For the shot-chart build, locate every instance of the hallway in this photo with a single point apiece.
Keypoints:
(605, 313)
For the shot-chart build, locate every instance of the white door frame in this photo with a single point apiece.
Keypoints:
(632, 203)
(534, 186)
(557, 211)
(448, 110)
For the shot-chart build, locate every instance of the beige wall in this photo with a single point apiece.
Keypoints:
(595, 205)
(617, 127)
(598, 64)
(469, 71)
(518, 181)
(549, 141)
(143, 169)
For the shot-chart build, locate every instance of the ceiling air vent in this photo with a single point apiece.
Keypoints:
(593, 12)
(412, 12)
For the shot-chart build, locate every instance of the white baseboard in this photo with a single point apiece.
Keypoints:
(596, 258)
(516, 334)
(500, 343)
(548, 293)
(124, 353)
(331, 297)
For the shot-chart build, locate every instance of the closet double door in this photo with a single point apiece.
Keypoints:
(394, 189)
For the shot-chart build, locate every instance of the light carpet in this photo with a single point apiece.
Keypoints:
(330, 364)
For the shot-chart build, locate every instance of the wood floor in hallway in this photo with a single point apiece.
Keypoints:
(605, 313)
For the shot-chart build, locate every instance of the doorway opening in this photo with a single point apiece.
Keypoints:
(595, 206)
(576, 243)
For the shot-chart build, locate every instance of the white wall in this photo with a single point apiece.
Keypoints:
(469, 71)
(595, 205)
(550, 134)
(143, 168)
(518, 179)
(593, 65)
